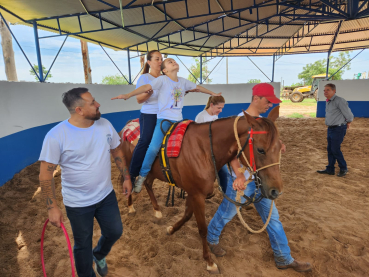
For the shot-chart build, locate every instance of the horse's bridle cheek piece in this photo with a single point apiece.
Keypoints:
(251, 167)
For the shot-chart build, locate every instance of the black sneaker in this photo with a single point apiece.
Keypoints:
(342, 173)
(325, 172)
(101, 268)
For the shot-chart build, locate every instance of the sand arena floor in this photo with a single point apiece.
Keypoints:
(326, 219)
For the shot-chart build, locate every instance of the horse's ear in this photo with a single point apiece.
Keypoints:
(250, 119)
(274, 114)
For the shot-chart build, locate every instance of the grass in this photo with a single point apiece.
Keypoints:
(295, 115)
(312, 114)
(305, 102)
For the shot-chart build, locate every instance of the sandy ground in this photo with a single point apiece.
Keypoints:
(325, 218)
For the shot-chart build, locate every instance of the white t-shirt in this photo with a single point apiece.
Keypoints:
(150, 106)
(84, 158)
(246, 174)
(171, 96)
(204, 116)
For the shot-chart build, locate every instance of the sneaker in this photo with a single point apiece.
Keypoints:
(217, 250)
(101, 268)
(138, 184)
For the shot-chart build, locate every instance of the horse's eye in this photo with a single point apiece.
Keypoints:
(261, 151)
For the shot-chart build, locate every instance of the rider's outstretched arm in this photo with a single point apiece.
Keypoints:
(137, 91)
(204, 90)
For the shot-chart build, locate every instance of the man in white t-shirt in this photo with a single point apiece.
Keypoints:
(263, 98)
(82, 145)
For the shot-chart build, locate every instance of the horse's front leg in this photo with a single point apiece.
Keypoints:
(148, 184)
(186, 217)
(199, 210)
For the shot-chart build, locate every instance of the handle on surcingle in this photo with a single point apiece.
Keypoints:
(68, 243)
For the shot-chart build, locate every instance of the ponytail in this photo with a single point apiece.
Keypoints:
(148, 58)
(215, 100)
(146, 68)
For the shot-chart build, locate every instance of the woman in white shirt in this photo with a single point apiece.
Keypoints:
(213, 108)
(149, 111)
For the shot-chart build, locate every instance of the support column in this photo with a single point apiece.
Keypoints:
(38, 52)
(273, 67)
(129, 67)
(326, 73)
(8, 53)
(86, 62)
(200, 69)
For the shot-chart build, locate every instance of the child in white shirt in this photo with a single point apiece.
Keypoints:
(171, 90)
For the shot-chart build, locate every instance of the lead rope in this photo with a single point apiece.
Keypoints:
(240, 193)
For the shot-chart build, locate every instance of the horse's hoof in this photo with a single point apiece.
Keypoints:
(169, 230)
(131, 211)
(213, 269)
(158, 214)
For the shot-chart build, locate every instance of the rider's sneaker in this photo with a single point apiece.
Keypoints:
(101, 268)
(138, 184)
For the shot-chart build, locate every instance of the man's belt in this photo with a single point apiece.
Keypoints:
(335, 126)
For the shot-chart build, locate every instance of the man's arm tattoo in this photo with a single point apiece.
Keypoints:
(51, 168)
(122, 166)
(48, 192)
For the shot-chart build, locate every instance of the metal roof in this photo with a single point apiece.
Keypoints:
(209, 28)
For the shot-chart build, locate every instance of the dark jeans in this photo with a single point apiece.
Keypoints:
(335, 138)
(147, 127)
(223, 177)
(81, 219)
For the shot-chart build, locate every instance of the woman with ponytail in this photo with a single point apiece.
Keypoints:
(212, 109)
(149, 110)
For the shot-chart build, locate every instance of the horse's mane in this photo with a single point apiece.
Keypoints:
(271, 129)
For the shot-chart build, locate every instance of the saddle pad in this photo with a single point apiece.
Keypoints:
(176, 138)
(131, 132)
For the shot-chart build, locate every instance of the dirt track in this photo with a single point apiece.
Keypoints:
(325, 218)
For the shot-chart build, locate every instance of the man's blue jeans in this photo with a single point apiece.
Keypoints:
(335, 138)
(154, 147)
(147, 127)
(227, 210)
(81, 219)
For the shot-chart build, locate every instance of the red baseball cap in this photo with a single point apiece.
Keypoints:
(267, 91)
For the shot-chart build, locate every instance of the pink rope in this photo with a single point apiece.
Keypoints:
(68, 243)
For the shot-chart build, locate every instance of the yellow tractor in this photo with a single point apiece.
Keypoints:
(300, 93)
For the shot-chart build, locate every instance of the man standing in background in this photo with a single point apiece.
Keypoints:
(338, 118)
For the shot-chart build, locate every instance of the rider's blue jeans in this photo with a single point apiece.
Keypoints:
(154, 146)
(227, 210)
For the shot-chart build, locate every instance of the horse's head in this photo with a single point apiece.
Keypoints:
(266, 148)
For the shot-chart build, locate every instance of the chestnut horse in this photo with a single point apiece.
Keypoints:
(193, 169)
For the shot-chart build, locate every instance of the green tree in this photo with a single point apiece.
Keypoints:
(195, 70)
(320, 67)
(35, 67)
(298, 84)
(254, 81)
(114, 80)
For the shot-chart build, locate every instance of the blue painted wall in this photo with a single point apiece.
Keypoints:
(358, 108)
(23, 148)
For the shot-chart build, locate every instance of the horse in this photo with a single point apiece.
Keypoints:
(193, 170)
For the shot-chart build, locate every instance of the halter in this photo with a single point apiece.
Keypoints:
(251, 168)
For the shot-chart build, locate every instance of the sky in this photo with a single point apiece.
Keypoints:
(69, 68)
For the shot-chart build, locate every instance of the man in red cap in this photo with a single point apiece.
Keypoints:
(263, 98)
